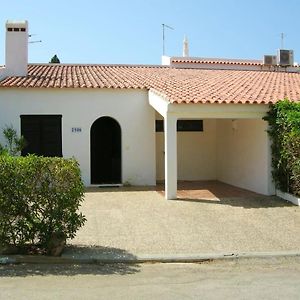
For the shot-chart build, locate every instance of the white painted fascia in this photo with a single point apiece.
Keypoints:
(218, 111)
(159, 102)
(206, 111)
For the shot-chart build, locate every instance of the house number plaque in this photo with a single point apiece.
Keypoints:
(76, 129)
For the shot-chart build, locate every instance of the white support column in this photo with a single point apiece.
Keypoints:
(170, 124)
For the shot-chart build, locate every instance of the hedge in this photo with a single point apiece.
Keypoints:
(39, 200)
(284, 130)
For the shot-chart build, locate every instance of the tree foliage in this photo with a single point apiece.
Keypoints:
(54, 60)
(284, 130)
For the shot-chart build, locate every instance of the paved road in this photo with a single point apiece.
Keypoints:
(244, 279)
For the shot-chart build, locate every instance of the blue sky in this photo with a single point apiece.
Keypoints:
(130, 31)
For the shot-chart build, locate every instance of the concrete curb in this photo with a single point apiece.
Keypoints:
(98, 259)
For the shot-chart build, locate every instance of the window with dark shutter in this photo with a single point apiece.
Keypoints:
(182, 125)
(42, 134)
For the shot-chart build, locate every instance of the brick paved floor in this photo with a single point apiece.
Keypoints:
(207, 190)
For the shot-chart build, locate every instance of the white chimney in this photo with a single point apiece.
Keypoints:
(185, 47)
(16, 48)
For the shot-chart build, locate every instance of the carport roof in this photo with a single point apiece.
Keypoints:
(174, 84)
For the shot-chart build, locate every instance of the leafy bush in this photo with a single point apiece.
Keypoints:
(284, 121)
(39, 200)
(296, 178)
(14, 144)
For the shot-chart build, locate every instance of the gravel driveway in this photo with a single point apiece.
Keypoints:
(140, 221)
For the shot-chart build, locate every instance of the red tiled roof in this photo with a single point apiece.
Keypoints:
(75, 76)
(176, 85)
(215, 61)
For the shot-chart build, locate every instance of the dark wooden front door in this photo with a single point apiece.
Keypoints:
(105, 151)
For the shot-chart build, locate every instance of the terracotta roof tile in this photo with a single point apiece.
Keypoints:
(176, 85)
(223, 61)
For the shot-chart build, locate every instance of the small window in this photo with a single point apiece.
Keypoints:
(16, 29)
(23, 29)
(182, 125)
(190, 125)
(9, 29)
(43, 134)
(159, 125)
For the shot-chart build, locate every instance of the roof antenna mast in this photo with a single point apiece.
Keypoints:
(163, 35)
(282, 36)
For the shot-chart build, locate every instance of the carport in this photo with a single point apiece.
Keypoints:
(239, 150)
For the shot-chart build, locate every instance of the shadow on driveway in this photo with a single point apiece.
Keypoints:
(25, 270)
(245, 202)
(205, 192)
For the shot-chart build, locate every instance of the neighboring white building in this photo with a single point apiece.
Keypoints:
(193, 119)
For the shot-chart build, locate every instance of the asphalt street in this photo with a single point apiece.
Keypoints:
(272, 278)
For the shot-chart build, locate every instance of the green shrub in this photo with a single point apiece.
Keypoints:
(295, 178)
(14, 144)
(284, 130)
(39, 198)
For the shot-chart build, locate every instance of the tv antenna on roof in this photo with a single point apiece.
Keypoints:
(33, 42)
(282, 36)
(163, 34)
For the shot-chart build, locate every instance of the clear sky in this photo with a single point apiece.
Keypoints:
(130, 31)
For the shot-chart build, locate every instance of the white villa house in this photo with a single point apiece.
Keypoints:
(189, 119)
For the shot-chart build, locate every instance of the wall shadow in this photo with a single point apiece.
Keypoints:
(244, 202)
(185, 189)
(209, 192)
(104, 189)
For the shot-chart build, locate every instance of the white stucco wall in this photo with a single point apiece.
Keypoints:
(2, 72)
(80, 108)
(196, 153)
(235, 152)
(242, 154)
